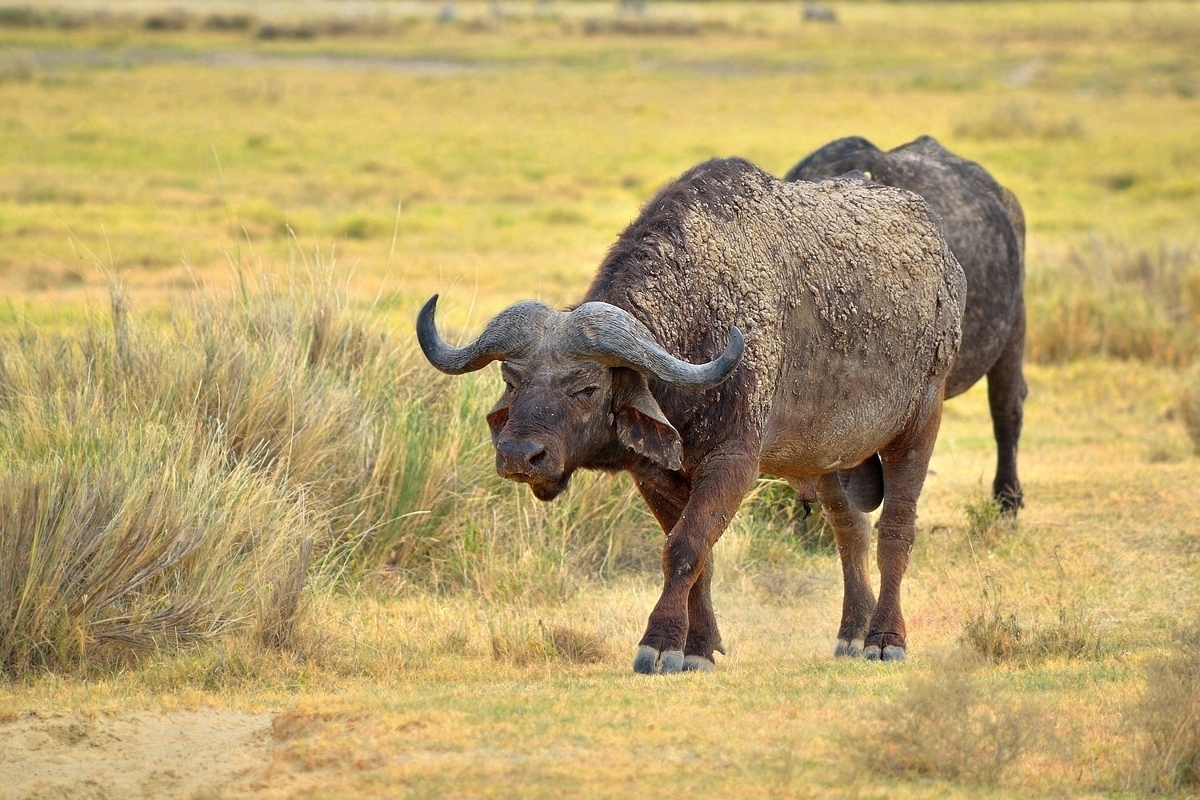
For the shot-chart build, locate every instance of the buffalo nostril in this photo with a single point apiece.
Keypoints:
(519, 455)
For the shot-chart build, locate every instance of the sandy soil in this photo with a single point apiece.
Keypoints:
(133, 754)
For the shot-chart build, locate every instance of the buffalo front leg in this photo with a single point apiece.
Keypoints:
(666, 494)
(853, 534)
(719, 484)
(703, 637)
(1006, 400)
(905, 464)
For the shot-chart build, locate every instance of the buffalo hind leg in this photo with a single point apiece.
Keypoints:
(1006, 400)
(716, 492)
(853, 533)
(905, 464)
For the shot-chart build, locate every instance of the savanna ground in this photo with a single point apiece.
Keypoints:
(252, 544)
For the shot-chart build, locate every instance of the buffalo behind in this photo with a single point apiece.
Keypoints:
(985, 228)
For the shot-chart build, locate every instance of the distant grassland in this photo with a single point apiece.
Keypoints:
(517, 147)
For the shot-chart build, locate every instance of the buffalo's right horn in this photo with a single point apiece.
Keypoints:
(610, 333)
(508, 335)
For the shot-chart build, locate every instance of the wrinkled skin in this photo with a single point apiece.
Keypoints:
(985, 228)
(838, 386)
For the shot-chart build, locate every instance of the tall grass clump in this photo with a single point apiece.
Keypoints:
(783, 523)
(1103, 298)
(168, 480)
(994, 632)
(1167, 718)
(120, 528)
(165, 481)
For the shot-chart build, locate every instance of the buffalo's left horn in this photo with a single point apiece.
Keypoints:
(508, 335)
(612, 334)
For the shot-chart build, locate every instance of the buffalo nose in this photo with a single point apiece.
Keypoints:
(518, 456)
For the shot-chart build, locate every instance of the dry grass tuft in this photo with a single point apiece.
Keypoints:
(1167, 718)
(576, 645)
(1189, 407)
(277, 621)
(947, 725)
(518, 640)
(997, 634)
(994, 632)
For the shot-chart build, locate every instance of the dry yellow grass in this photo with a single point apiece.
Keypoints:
(459, 695)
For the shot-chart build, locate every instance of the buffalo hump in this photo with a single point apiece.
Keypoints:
(848, 297)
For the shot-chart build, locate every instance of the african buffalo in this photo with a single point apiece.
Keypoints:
(825, 317)
(985, 228)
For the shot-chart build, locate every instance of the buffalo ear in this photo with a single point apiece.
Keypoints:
(641, 424)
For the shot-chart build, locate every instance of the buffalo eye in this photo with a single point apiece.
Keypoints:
(584, 393)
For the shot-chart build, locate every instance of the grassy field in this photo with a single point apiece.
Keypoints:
(276, 188)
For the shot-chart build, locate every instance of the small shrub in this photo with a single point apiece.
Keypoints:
(994, 632)
(640, 27)
(229, 22)
(1167, 718)
(947, 725)
(167, 21)
(22, 17)
(271, 32)
(987, 523)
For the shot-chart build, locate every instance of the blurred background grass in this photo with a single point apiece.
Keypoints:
(495, 155)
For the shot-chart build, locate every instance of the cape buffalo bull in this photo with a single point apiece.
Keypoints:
(823, 319)
(985, 228)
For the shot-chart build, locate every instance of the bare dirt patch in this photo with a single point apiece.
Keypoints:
(129, 754)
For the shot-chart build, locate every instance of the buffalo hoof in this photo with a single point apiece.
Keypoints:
(849, 649)
(649, 661)
(890, 653)
(697, 664)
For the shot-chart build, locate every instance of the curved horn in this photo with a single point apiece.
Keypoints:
(613, 334)
(509, 334)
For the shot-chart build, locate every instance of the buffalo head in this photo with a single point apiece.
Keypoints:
(575, 387)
